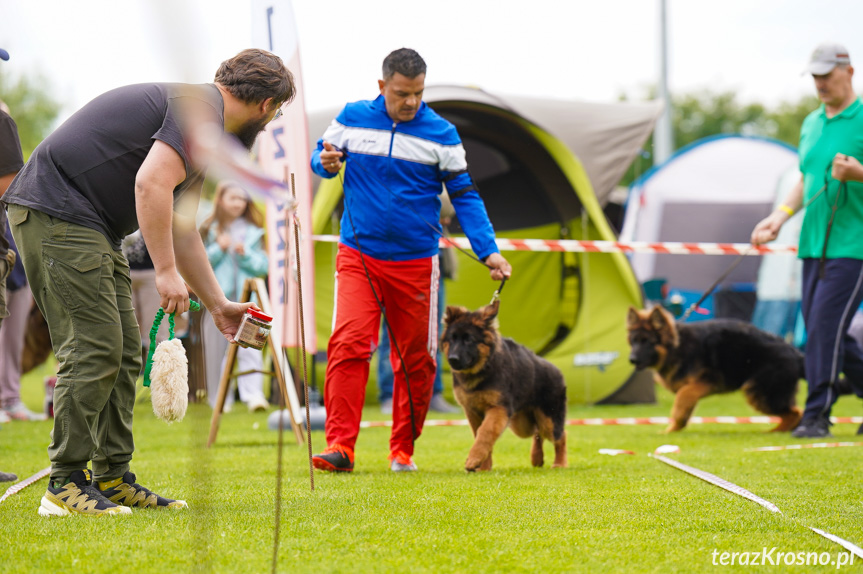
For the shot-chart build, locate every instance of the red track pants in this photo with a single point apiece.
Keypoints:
(408, 291)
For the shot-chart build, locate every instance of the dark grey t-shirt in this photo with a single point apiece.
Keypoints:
(84, 172)
(11, 160)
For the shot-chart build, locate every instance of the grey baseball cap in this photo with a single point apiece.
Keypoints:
(826, 57)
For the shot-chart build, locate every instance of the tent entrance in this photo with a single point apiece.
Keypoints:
(520, 182)
(527, 195)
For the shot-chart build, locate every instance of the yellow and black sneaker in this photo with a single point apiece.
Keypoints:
(78, 496)
(126, 491)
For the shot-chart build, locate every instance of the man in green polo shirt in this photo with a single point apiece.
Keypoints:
(831, 237)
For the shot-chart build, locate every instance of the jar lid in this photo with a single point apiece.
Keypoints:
(258, 314)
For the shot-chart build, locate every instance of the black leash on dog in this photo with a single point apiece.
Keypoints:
(380, 304)
(496, 295)
(707, 293)
(843, 187)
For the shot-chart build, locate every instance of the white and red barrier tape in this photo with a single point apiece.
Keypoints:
(697, 420)
(628, 421)
(25, 483)
(577, 246)
(740, 491)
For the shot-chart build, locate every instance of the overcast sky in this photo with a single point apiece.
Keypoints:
(590, 50)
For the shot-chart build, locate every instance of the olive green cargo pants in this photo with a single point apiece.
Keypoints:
(83, 288)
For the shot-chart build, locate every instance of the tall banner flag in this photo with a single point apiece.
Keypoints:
(284, 149)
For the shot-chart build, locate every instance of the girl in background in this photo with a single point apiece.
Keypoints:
(233, 236)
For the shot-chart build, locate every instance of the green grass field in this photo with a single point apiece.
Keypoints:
(602, 514)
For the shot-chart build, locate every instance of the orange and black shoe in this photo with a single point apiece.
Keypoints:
(335, 458)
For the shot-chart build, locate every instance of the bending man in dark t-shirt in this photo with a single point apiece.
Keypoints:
(120, 162)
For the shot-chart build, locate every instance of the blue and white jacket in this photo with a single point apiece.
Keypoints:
(394, 175)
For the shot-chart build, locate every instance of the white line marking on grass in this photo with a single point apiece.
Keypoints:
(853, 548)
(716, 481)
(800, 446)
(731, 487)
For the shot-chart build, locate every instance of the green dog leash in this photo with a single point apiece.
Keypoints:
(193, 306)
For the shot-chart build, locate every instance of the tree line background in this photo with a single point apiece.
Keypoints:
(32, 107)
(705, 113)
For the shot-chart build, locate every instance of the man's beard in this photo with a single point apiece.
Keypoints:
(248, 132)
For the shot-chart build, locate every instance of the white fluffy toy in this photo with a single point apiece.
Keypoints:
(168, 370)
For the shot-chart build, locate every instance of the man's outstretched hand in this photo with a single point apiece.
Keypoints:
(228, 315)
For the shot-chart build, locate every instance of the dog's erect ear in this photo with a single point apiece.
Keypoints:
(632, 318)
(658, 319)
(453, 314)
(489, 312)
(663, 322)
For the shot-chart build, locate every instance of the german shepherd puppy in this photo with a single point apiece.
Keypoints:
(718, 356)
(500, 383)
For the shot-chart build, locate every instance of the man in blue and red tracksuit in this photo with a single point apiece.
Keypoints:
(399, 154)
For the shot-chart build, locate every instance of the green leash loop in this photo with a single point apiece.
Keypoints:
(193, 306)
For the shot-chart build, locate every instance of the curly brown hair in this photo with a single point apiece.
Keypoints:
(254, 75)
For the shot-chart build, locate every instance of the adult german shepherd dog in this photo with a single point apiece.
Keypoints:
(718, 356)
(498, 383)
